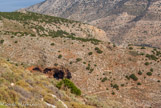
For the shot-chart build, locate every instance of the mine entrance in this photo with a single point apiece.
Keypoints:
(47, 70)
(55, 72)
(37, 69)
(58, 74)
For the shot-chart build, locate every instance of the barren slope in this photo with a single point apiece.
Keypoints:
(108, 76)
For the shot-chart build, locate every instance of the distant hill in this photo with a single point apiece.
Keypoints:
(124, 21)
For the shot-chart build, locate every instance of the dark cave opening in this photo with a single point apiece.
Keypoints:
(47, 70)
(37, 69)
(55, 72)
(58, 74)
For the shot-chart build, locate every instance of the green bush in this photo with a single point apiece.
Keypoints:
(140, 73)
(52, 44)
(147, 63)
(130, 48)
(60, 56)
(70, 85)
(104, 79)
(127, 77)
(122, 85)
(151, 57)
(142, 47)
(91, 70)
(90, 53)
(149, 73)
(132, 76)
(141, 53)
(78, 59)
(151, 70)
(116, 86)
(113, 93)
(138, 83)
(98, 50)
(56, 64)
(88, 67)
(1, 41)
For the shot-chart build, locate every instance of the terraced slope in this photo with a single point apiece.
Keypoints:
(125, 21)
(108, 76)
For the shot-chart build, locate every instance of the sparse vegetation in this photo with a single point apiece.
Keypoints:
(95, 64)
(49, 99)
(68, 84)
(134, 53)
(113, 93)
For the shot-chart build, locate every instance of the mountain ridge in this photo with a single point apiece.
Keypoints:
(123, 20)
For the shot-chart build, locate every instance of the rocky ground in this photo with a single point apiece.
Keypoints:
(108, 76)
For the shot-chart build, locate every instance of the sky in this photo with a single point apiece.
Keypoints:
(12, 5)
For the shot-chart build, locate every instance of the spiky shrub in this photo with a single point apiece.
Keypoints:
(70, 85)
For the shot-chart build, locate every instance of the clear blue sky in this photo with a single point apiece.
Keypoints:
(12, 5)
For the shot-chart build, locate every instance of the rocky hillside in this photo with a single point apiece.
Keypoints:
(49, 49)
(125, 21)
(19, 88)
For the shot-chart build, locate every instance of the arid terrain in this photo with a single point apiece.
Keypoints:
(38, 51)
(125, 22)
